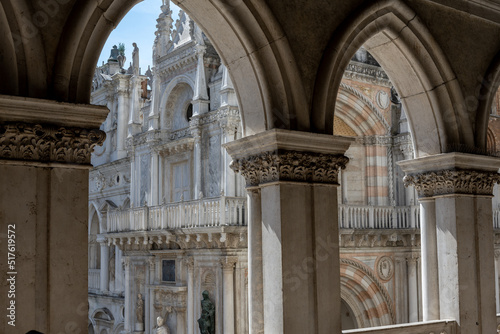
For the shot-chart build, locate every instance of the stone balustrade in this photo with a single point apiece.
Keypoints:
(429, 327)
(223, 211)
(209, 212)
(379, 217)
(94, 279)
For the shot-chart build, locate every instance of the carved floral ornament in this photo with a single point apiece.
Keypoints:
(48, 143)
(453, 182)
(282, 165)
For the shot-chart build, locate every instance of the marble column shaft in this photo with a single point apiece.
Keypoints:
(255, 279)
(412, 289)
(104, 286)
(430, 277)
(228, 295)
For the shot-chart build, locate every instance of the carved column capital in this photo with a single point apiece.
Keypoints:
(48, 143)
(454, 181)
(497, 253)
(189, 262)
(288, 165)
(228, 263)
(125, 262)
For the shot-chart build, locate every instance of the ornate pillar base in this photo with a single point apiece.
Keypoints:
(45, 152)
(297, 174)
(462, 186)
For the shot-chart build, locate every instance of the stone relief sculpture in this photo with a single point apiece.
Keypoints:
(207, 319)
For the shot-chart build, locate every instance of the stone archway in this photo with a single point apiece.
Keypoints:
(414, 62)
(365, 295)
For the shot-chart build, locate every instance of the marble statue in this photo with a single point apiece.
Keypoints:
(162, 327)
(135, 59)
(139, 310)
(207, 319)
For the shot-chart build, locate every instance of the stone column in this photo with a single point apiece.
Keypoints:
(155, 174)
(229, 121)
(430, 279)
(129, 300)
(228, 264)
(194, 125)
(462, 185)
(190, 296)
(122, 115)
(104, 285)
(497, 280)
(255, 279)
(45, 150)
(134, 124)
(118, 270)
(412, 289)
(297, 174)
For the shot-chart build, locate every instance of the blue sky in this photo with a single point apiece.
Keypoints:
(138, 26)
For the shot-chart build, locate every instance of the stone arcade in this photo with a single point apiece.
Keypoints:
(286, 61)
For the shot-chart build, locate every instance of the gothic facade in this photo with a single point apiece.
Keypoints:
(286, 61)
(167, 217)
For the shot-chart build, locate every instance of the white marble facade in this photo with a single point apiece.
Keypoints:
(168, 217)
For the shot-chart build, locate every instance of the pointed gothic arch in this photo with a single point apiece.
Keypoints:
(365, 295)
(428, 88)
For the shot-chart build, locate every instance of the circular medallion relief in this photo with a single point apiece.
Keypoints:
(382, 99)
(385, 268)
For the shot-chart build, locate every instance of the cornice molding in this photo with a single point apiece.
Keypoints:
(23, 109)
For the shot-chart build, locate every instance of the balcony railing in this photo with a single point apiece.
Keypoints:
(379, 217)
(496, 218)
(94, 279)
(210, 212)
(439, 326)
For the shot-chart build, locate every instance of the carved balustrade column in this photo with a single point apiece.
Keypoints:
(462, 187)
(45, 149)
(104, 284)
(194, 126)
(297, 177)
(228, 264)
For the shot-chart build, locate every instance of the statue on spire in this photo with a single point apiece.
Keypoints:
(135, 59)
